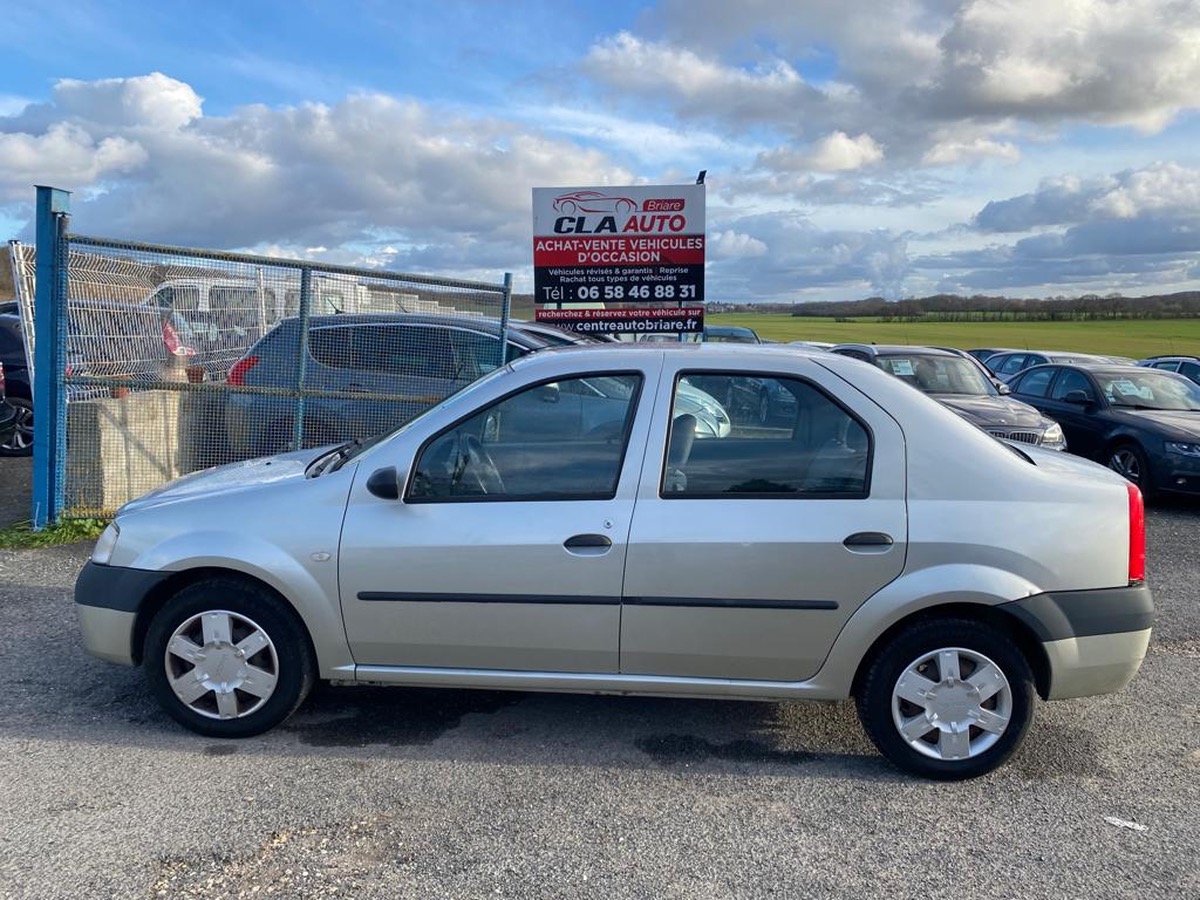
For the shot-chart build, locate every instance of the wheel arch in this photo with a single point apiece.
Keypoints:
(1012, 627)
(162, 592)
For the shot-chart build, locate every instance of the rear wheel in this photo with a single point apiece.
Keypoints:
(947, 699)
(225, 658)
(1129, 461)
(21, 442)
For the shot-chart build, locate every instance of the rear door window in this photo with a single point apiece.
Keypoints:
(332, 347)
(404, 350)
(1072, 380)
(813, 447)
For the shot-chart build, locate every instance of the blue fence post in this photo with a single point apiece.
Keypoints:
(505, 308)
(49, 398)
(302, 363)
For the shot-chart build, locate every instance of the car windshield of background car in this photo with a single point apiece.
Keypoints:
(939, 375)
(1150, 391)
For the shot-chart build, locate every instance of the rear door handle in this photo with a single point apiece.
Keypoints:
(583, 541)
(868, 541)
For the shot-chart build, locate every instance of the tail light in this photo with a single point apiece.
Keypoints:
(237, 375)
(1, 379)
(175, 346)
(1137, 536)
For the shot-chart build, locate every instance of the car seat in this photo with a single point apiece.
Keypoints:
(679, 448)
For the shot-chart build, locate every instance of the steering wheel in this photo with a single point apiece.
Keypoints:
(478, 465)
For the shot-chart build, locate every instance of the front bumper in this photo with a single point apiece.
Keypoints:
(1177, 474)
(107, 602)
(1094, 640)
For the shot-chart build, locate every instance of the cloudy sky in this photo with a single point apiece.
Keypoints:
(853, 147)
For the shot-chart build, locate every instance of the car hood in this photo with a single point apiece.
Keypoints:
(990, 412)
(1181, 423)
(239, 476)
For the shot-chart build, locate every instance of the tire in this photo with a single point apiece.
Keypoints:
(21, 443)
(940, 737)
(256, 656)
(1129, 460)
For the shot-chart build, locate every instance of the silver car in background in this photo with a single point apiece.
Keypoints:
(872, 544)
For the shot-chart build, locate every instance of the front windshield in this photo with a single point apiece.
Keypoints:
(939, 374)
(1149, 390)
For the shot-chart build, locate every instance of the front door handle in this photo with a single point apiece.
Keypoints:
(868, 541)
(587, 542)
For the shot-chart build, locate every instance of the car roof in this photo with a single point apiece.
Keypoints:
(896, 350)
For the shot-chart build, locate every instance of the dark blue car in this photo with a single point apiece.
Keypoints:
(1140, 422)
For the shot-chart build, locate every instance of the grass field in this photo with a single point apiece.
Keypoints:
(1137, 338)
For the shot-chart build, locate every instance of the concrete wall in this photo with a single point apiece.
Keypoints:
(118, 449)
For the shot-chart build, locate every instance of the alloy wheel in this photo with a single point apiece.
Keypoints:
(21, 442)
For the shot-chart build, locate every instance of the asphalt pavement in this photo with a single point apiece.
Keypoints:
(16, 488)
(396, 793)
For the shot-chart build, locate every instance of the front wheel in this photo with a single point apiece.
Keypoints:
(1130, 461)
(227, 659)
(947, 699)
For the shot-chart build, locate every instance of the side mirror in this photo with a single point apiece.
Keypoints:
(1080, 398)
(548, 393)
(1003, 388)
(385, 483)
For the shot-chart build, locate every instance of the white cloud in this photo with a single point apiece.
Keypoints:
(734, 245)
(838, 152)
(65, 154)
(151, 101)
(953, 152)
(1163, 189)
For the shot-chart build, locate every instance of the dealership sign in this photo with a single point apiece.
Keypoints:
(619, 245)
(626, 320)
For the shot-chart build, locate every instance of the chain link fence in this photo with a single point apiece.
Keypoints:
(179, 359)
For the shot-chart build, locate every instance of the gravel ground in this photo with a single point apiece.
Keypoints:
(376, 793)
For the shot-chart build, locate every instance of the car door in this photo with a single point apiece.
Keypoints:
(748, 553)
(1085, 428)
(507, 548)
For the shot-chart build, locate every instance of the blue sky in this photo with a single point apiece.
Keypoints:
(853, 148)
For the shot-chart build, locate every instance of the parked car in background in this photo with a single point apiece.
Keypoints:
(16, 418)
(984, 353)
(730, 334)
(1142, 423)
(811, 345)
(8, 414)
(368, 373)
(983, 370)
(1187, 366)
(959, 384)
(1006, 365)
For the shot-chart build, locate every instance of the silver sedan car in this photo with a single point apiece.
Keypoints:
(871, 545)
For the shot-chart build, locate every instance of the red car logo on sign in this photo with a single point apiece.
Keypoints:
(592, 202)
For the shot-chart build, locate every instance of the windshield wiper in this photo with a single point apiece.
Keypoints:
(341, 455)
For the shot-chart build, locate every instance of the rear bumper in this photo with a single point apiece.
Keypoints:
(1094, 640)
